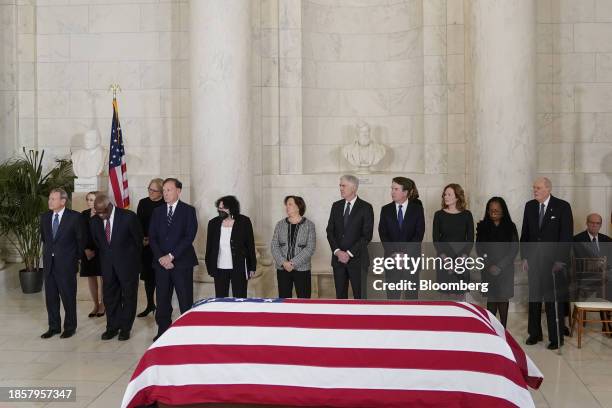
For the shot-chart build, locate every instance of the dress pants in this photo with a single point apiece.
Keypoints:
(534, 323)
(343, 274)
(120, 299)
(238, 280)
(61, 284)
(286, 281)
(179, 279)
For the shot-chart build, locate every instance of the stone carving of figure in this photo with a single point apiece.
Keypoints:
(363, 152)
(89, 161)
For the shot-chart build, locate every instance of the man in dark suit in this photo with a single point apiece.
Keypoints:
(349, 230)
(172, 231)
(593, 244)
(401, 228)
(118, 237)
(548, 230)
(63, 240)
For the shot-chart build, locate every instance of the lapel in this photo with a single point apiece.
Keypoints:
(550, 211)
(234, 228)
(174, 214)
(61, 228)
(114, 226)
(404, 215)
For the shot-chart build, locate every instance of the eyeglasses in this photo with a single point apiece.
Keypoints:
(153, 190)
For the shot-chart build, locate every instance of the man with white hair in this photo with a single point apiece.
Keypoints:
(548, 229)
(349, 230)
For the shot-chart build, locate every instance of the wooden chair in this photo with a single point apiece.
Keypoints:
(590, 282)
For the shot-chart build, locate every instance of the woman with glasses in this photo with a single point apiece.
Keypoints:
(293, 244)
(497, 242)
(230, 249)
(144, 212)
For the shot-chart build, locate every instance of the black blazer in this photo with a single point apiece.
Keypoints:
(68, 244)
(123, 252)
(357, 235)
(557, 227)
(242, 242)
(583, 247)
(413, 226)
(176, 239)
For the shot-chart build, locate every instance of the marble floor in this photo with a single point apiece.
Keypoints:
(100, 370)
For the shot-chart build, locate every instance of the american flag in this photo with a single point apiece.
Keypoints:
(117, 169)
(330, 353)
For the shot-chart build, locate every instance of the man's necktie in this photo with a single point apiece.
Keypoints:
(55, 225)
(595, 246)
(347, 211)
(400, 216)
(541, 216)
(170, 214)
(107, 230)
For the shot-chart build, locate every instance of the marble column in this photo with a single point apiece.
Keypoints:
(220, 115)
(502, 46)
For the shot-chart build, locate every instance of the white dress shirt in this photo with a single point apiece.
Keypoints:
(224, 259)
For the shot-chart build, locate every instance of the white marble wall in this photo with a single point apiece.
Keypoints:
(84, 46)
(574, 104)
(317, 66)
(17, 124)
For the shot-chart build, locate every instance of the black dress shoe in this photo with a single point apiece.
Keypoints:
(531, 340)
(49, 333)
(109, 334)
(67, 334)
(100, 314)
(146, 312)
(124, 335)
(553, 346)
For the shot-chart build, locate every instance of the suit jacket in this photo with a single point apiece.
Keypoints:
(545, 245)
(583, 247)
(357, 235)
(123, 252)
(176, 238)
(242, 242)
(557, 227)
(411, 230)
(69, 243)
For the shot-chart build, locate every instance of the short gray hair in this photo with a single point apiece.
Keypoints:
(63, 194)
(351, 179)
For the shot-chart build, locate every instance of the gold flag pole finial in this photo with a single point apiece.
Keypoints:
(114, 88)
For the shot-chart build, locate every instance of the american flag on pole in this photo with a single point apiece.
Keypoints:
(117, 169)
(335, 353)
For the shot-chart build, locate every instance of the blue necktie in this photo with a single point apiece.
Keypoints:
(170, 214)
(541, 215)
(347, 212)
(400, 217)
(55, 225)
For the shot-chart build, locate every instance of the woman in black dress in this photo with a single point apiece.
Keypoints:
(144, 212)
(90, 264)
(497, 237)
(453, 235)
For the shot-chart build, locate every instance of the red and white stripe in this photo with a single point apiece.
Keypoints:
(118, 184)
(335, 353)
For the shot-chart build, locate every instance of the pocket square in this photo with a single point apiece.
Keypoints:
(552, 217)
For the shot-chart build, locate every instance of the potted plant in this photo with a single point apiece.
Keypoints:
(24, 191)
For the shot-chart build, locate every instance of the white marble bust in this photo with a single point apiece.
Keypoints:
(89, 161)
(363, 152)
